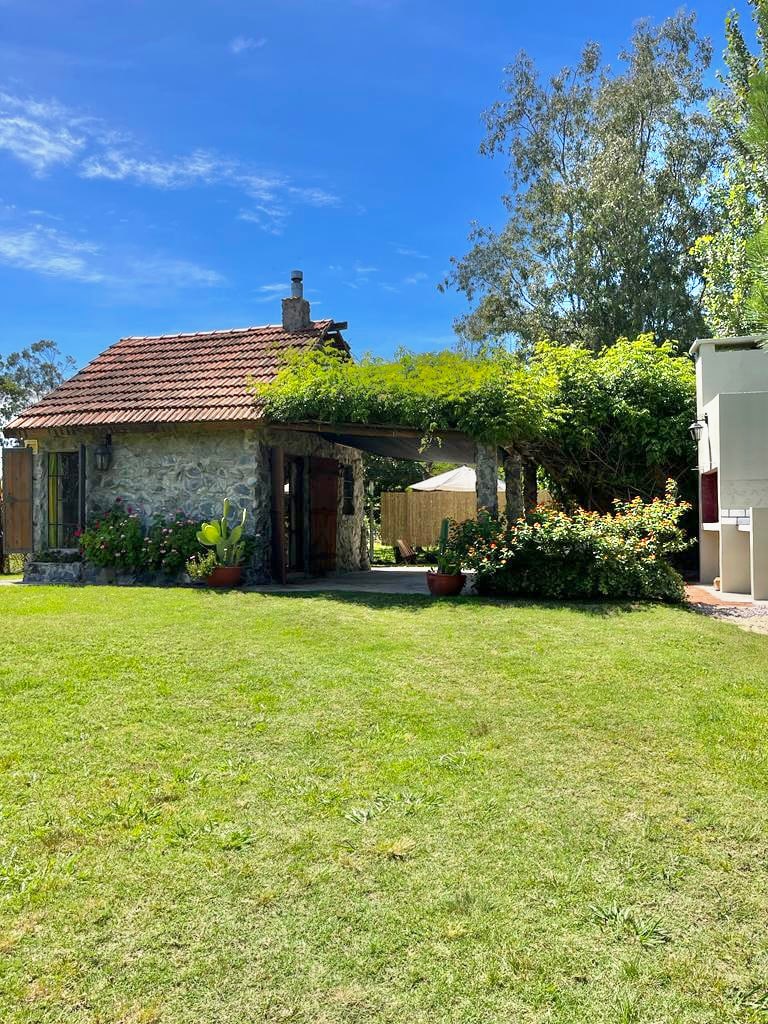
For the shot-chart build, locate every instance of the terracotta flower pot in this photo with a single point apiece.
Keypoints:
(445, 584)
(225, 576)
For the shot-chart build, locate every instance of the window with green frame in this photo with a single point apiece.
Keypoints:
(63, 499)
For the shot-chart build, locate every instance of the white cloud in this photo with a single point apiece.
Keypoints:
(242, 44)
(40, 134)
(403, 250)
(199, 167)
(164, 272)
(416, 278)
(314, 196)
(412, 279)
(363, 271)
(50, 252)
(270, 292)
(268, 218)
(45, 134)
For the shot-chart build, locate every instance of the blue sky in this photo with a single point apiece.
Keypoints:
(165, 164)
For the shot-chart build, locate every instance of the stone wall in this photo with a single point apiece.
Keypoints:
(194, 470)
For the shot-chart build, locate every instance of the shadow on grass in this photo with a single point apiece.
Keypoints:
(417, 603)
(410, 602)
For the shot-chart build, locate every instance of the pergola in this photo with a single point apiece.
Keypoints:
(399, 442)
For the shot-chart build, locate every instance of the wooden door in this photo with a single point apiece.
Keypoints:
(295, 515)
(17, 501)
(324, 511)
(277, 463)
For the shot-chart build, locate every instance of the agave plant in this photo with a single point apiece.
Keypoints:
(227, 543)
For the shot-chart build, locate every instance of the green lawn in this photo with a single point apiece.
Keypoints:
(242, 808)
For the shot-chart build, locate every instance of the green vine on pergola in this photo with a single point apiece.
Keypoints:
(600, 426)
(492, 401)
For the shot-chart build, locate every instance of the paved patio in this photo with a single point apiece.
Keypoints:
(705, 594)
(381, 579)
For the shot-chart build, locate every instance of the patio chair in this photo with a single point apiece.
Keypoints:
(405, 552)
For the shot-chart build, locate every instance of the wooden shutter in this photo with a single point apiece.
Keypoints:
(324, 511)
(17, 501)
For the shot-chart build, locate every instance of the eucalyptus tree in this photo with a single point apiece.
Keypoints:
(606, 168)
(28, 374)
(734, 256)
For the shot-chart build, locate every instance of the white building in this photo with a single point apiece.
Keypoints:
(732, 428)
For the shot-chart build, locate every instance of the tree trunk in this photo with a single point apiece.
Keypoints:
(487, 477)
(530, 485)
(513, 481)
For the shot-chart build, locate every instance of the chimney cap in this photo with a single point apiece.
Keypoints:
(297, 284)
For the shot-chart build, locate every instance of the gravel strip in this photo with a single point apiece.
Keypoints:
(754, 618)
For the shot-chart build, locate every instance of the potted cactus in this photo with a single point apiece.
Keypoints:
(448, 580)
(227, 545)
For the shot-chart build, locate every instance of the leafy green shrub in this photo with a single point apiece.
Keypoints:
(13, 564)
(115, 540)
(200, 567)
(620, 421)
(554, 554)
(55, 556)
(169, 543)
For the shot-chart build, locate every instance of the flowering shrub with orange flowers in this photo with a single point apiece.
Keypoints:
(556, 554)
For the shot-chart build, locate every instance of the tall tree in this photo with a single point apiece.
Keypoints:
(28, 374)
(606, 170)
(731, 256)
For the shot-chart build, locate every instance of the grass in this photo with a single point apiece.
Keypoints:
(383, 554)
(247, 808)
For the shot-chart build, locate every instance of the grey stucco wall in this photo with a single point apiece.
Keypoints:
(194, 470)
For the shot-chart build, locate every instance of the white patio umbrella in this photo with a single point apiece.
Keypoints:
(461, 479)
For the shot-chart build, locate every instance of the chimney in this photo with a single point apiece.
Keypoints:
(296, 309)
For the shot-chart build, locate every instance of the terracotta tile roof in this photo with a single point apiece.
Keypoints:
(171, 378)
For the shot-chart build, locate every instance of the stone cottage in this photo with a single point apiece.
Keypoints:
(167, 423)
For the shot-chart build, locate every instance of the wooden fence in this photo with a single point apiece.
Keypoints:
(415, 516)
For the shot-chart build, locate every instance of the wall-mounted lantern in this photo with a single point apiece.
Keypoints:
(696, 429)
(103, 455)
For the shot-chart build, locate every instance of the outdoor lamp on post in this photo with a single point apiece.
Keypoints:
(103, 455)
